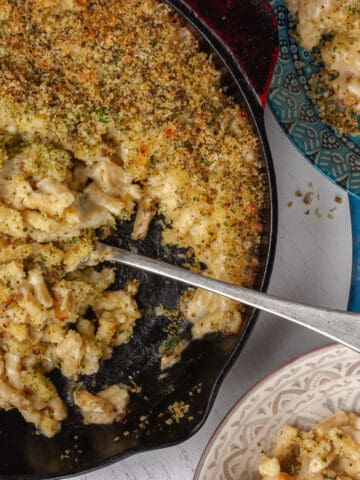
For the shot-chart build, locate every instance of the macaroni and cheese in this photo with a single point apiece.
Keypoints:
(334, 27)
(330, 450)
(109, 111)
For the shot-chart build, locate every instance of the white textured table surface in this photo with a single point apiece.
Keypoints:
(312, 265)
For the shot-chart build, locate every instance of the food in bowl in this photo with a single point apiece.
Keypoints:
(332, 29)
(110, 111)
(330, 450)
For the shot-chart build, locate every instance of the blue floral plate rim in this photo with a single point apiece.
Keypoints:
(336, 156)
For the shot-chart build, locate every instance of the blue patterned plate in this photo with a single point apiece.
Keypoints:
(336, 155)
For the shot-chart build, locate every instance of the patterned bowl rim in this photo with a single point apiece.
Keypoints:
(243, 398)
(346, 182)
(323, 172)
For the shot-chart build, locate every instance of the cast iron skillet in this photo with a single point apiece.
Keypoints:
(248, 30)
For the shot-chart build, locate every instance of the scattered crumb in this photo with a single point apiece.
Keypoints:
(126, 433)
(135, 388)
(198, 388)
(308, 198)
(178, 410)
(144, 422)
(317, 213)
(116, 439)
(68, 453)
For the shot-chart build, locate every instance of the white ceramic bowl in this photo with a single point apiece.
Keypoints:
(301, 392)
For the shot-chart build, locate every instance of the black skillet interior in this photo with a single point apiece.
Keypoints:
(196, 378)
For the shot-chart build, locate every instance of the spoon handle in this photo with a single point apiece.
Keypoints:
(341, 326)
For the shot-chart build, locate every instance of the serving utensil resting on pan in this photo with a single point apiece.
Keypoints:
(338, 325)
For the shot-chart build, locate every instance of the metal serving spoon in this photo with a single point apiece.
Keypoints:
(341, 326)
